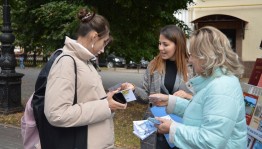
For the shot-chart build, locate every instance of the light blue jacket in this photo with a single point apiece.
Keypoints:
(214, 118)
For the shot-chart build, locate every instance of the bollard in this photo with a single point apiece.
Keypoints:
(138, 67)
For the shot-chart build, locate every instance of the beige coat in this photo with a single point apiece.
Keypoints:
(89, 110)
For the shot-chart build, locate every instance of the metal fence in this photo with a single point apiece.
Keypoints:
(31, 62)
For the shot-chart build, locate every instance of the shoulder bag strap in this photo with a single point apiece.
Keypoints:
(75, 97)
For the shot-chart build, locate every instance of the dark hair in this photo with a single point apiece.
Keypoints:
(91, 21)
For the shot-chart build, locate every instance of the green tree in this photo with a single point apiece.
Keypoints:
(135, 24)
(57, 19)
(43, 24)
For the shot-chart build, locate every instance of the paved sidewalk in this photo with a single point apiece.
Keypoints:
(10, 137)
(28, 82)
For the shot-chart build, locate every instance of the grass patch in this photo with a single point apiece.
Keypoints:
(123, 120)
(11, 119)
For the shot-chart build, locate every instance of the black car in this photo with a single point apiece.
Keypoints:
(112, 61)
(132, 64)
(144, 63)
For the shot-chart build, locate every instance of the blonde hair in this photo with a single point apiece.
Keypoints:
(212, 46)
(176, 35)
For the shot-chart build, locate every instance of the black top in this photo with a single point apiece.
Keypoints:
(170, 76)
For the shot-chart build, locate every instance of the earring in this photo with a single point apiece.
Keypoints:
(92, 46)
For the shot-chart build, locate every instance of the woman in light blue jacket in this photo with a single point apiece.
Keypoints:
(215, 117)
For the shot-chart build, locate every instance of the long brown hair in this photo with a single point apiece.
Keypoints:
(176, 35)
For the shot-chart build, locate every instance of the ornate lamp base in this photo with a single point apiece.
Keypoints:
(10, 93)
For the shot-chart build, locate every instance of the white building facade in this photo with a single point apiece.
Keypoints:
(239, 20)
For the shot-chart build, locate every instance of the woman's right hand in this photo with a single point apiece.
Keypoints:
(114, 105)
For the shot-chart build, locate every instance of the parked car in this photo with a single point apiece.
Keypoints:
(112, 61)
(131, 64)
(144, 63)
(94, 61)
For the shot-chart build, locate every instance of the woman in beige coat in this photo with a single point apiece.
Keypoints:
(94, 108)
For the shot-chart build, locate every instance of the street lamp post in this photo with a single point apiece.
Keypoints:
(10, 81)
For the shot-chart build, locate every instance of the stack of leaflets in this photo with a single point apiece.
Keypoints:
(143, 128)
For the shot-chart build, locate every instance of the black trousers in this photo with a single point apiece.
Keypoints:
(161, 142)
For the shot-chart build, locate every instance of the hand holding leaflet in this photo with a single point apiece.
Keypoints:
(161, 112)
(154, 120)
(145, 128)
(119, 97)
(124, 96)
(114, 105)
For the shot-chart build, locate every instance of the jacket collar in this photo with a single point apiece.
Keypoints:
(80, 51)
(199, 82)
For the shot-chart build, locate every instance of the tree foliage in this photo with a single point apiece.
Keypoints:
(44, 24)
(57, 19)
(135, 24)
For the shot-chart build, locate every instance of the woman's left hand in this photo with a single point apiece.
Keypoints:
(164, 127)
(159, 99)
(112, 104)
